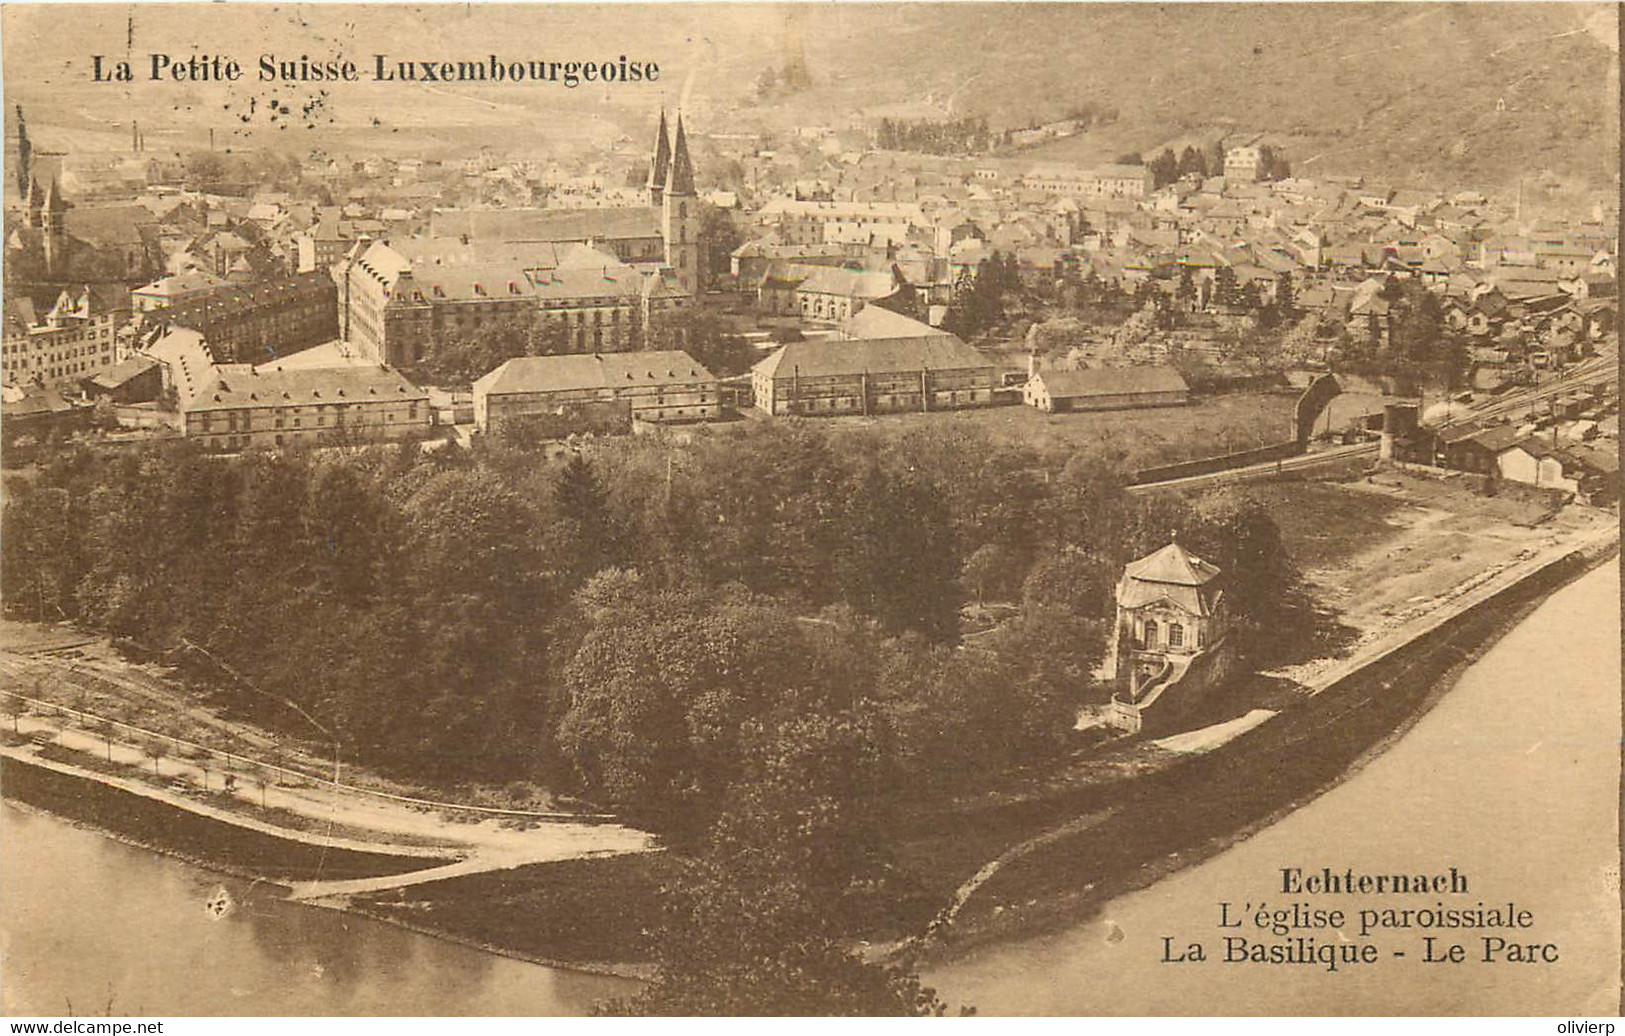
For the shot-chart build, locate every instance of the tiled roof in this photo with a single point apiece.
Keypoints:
(545, 224)
(595, 371)
(271, 386)
(833, 357)
(1112, 381)
(1172, 574)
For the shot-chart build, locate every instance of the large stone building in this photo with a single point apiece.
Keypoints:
(1168, 643)
(663, 386)
(873, 376)
(602, 275)
(75, 339)
(266, 406)
(395, 309)
(1106, 181)
(256, 323)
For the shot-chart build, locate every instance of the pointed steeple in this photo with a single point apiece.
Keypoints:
(660, 168)
(55, 203)
(25, 154)
(682, 170)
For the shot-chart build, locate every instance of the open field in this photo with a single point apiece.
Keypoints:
(1378, 548)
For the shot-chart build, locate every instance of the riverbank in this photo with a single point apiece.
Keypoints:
(1511, 777)
(144, 817)
(149, 820)
(1174, 819)
(593, 915)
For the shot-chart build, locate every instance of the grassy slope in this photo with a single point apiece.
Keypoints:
(1405, 90)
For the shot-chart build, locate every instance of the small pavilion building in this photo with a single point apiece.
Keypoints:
(1168, 643)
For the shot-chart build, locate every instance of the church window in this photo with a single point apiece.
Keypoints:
(1151, 633)
(1176, 635)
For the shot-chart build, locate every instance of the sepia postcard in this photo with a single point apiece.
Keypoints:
(682, 509)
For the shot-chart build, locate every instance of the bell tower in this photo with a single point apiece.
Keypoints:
(680, 216)
(53, 228)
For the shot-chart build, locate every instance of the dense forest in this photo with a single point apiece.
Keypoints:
(615, 621)
(751, 642)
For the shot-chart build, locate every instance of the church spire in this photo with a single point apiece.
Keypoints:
(25, 153)
(682, 170)
(660, 168)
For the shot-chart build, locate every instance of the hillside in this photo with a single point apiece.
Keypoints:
(1446, 93)
(1406, 91)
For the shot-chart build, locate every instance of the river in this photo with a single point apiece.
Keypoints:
(1513, 777)
(90, 925)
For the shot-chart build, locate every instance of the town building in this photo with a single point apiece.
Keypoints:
(830, 294)
(1105, 388)
(175, 290)
(601, 276)
(396, 309)
(186, 363)
(327, 242)
(138, 379)
(256, 323)
(248, 406)
(1106, 181)
(873, 376)
(1168, 643)
(1244, 164)
(75, 339)
(666, 386)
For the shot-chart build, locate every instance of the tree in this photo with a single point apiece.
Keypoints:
(1164, 168)
(754, 946)
(1286, 296)
(659, 688)
(991, 570)
(753, 926)
(582, 501)
(1226, 292)
(1185, 290)
(155, 748)
(1192, 162)
(1250, 297)
(705, 336)
(1130, 158)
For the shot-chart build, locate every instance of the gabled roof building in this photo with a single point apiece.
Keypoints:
(873, 376)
